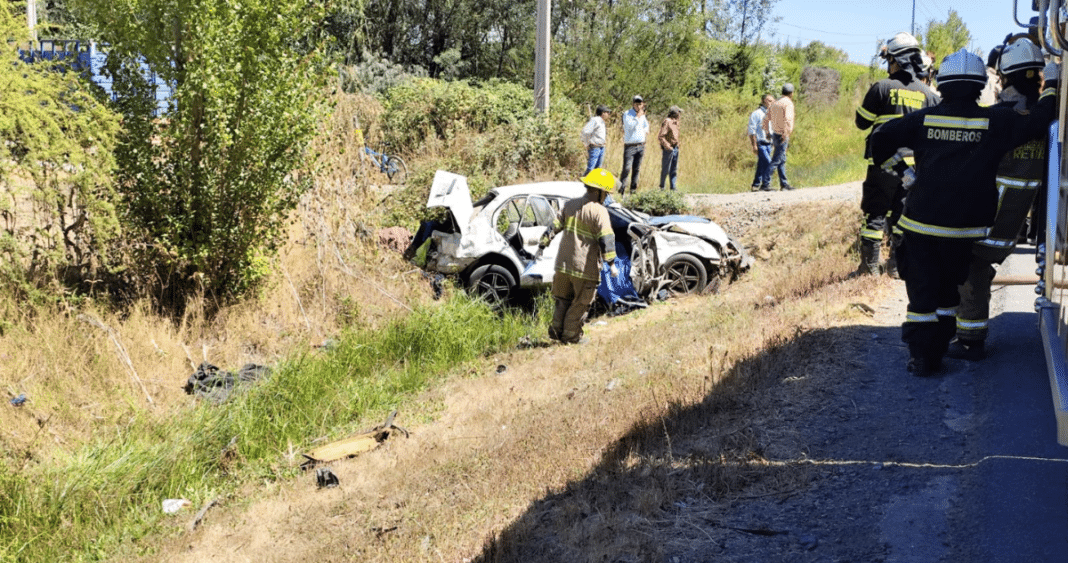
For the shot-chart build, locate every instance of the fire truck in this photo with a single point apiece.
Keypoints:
(1052, 246)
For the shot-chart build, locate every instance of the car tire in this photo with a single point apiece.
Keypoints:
(492, 283)
(685, 274)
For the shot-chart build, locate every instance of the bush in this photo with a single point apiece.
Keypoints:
(210, 185)
(57, 198)
(658, 202)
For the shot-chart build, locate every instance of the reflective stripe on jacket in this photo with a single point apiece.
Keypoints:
(587, 238)
(958, 146)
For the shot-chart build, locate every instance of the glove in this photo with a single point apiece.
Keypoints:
(613, 270)
(1052, 75)
(908, 177)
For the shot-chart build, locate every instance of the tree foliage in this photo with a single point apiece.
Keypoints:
(467, 38)
(737, 21)
(943, 38)
(57, 197)
(611, 50)
(210, 183)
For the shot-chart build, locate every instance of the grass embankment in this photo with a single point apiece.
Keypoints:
(108, 492)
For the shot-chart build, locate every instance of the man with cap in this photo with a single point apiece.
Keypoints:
(586, 241)
(669, 146)
(952, 196)
(593, 138)
(635, 129)
(900, 93)
(780, 122)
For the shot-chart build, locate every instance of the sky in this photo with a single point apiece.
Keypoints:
(857, 26)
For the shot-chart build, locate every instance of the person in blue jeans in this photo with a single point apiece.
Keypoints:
(593, 138)
(669, 145)
(758, 139)
(780, 122)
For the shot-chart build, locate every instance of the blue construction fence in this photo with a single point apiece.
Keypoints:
(87, 58)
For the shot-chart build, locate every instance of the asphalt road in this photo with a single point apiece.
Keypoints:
(1009, 500)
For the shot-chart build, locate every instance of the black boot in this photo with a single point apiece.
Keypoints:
(869, 258)
(970, 350)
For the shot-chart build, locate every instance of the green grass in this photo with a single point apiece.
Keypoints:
(106, 496)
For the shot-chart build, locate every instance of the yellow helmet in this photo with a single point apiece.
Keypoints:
(601, 179)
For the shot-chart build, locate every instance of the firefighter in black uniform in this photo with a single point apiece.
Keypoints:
(904, 91)
(1021, 176)
(952, 198)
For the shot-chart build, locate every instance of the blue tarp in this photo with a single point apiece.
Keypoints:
(620, 289)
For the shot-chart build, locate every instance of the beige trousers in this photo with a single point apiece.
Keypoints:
(573, 297)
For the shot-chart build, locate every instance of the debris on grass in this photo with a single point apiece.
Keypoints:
(353, 445)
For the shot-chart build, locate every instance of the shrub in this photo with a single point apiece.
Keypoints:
(57, 198)
(658, 202)
(210, 185)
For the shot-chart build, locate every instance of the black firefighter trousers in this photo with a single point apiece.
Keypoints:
(932, 268)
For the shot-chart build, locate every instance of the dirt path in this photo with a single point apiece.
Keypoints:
(647, 445)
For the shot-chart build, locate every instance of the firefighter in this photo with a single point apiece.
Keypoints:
(587, 240)
(902, 92)
(1021, 175)
(952, 197)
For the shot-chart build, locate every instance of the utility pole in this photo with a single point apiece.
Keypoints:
(31, 18)
(541, 58)
(913, 28)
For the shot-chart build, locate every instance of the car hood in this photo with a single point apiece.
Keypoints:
(451, 192)
(693, 225)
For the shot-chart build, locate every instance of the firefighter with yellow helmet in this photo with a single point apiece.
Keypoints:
(587, 240)
(900, 93)
(952, 195)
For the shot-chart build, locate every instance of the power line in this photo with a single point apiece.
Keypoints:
(835, 32)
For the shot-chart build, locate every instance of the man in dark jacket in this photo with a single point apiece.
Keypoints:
(952, 197)
(901, 93)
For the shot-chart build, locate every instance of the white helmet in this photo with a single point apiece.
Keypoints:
(901, 43)
(1021, 55)
(962, 66)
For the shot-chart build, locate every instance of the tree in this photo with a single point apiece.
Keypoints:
(209, 183)
(57, 197)
(943, 38)
(454, 38)
(739, 21)
(611, 50)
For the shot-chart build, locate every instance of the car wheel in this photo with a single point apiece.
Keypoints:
(493, 283)
(685, 273)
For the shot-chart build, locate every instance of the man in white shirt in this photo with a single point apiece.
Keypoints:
(593, 138)
(635, 128)
(761, 144)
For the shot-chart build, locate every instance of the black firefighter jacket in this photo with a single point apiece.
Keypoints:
(890, 98)
(957, 147)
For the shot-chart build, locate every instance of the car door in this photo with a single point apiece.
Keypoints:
(522, 221)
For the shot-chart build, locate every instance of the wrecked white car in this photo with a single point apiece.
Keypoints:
(492, 244)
